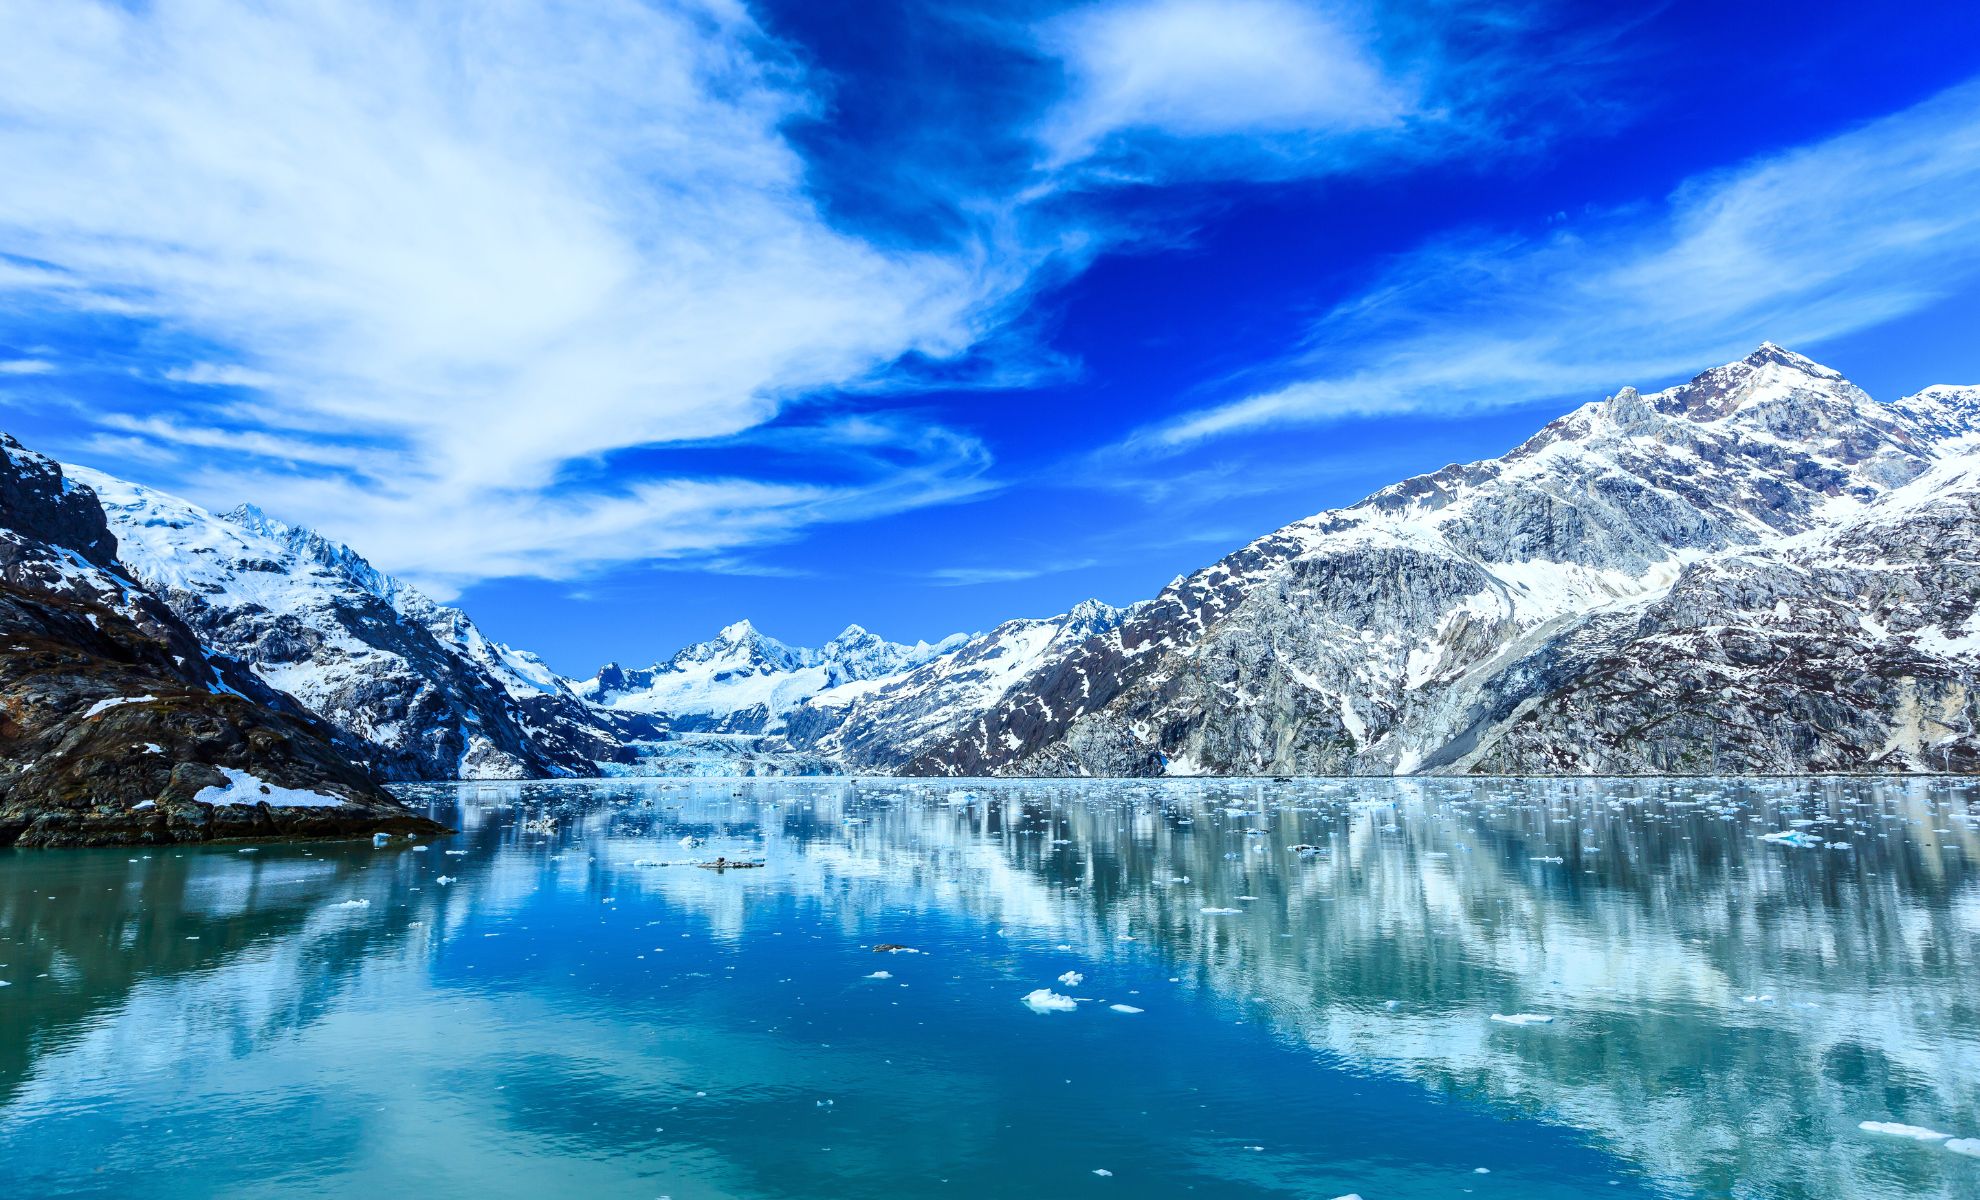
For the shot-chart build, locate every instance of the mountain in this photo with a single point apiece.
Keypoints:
(416, 684)
(118, 726)
(886, 722)
(744, 682)
(1762, 569)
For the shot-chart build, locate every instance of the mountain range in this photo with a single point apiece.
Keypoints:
(1761, 570)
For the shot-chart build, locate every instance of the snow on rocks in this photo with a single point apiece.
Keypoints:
(243, 787)
(104, 706)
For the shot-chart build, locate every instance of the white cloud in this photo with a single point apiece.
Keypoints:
(1833, 237)
(221, 375)
(1258, 70)
(26, 366)
(976, 576)
(490, 243)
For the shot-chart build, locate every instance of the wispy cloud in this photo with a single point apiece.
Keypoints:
(974, 576)
(26, 366)
(221, 375)
(1834, 237)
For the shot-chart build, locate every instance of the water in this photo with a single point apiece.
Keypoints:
(571, 1018)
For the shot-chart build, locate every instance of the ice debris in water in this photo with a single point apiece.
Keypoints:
(1967, 1146)
(1791, 837)
(1221, 912)
(444, 880)
(1046, 1000)
(1124, 1008)
(1072, 979)
(353, 904)
(1917, 1133)
(381, 839)
(881, 975)
(1522, 1019)
(1103, 1172)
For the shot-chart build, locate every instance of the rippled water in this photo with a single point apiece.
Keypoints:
(580, 1013)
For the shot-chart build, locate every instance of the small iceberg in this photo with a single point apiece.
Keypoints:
(1916, 1133)
(1221, 912)
(1967, 1146)
(1124, 1008)
(1522, 1019)
(1072, 979)
(881, 975)
(1045, 1000)
(1792, 837)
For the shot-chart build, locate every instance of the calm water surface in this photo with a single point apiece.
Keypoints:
(581, 1013)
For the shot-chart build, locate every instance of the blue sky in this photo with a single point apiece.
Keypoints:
(616, 321)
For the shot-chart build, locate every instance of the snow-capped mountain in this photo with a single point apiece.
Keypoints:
(428, 694)
(119, 726)
(886, 721)
(1760, 570)
(742, 681)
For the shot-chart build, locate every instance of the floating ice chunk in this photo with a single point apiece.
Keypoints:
(1917, 1133)
(1758, 998)
(1967, 1146)
(1221, 912)
(381, 839)
(691, 842)
(1791, 837)
(419, 849)
(353, 904)
(1046, 1000)
(1522, 1019)
(1072, 979)
(1124, 1008)
(444, 880)
(1553, 858)
(458, 853)
(881, 975)
(1349, 1196)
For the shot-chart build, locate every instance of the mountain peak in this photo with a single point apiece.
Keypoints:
(1773, 354)
(739, 631)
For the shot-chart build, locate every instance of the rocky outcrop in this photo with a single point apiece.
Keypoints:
(116, 725)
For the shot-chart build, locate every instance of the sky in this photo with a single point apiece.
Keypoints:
(615, 321)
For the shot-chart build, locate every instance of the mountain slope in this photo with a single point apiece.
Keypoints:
(884, 723)
(416, 682)
(1398, 634)
(117, 727)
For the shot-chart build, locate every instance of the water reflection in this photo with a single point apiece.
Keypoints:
(1725, 1009)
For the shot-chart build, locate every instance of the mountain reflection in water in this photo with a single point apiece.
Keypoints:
(1725, 1010)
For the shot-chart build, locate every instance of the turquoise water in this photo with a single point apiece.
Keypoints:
(579, 1013)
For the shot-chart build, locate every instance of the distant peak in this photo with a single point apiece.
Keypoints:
(740, 631)
(851, 632)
